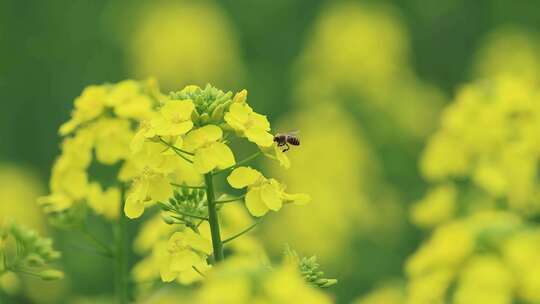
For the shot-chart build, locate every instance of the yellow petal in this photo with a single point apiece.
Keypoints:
(223, 154)
(204, 161)
(270, 194)
(167, 275)
(259, 137)
(211, 132)
(243, 176)
(159, 188)
(177, 109)
(180, 128)
(183, 260)
(133, 208)
(254, 203)
(198, 242)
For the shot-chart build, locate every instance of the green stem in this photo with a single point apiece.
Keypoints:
(175, 148)
(121, 275)
(240, 163)
(188, 187)
(100, 245)
(230, 200)
(248, 229)
(213, 219)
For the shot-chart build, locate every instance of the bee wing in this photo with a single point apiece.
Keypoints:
(295, 132)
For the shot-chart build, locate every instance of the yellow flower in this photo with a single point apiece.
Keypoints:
(485, 279)
(185, 250)
(209, 152)
(87, 107)
(112, 140)
(105, 202)
(438, 206)
(150, 187)
(151, 232)
(263, 194)
(174, 118)
(128, 101)
(247, 123)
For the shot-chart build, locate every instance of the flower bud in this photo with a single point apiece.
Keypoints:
(34, 260)
(240, 96)
(51, 275)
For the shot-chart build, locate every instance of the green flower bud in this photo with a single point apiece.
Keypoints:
(217, 114)
(204, 118)
(34, 260)
(169, 220)
(51, 275)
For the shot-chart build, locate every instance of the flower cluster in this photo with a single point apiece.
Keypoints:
(489, 136)
(175, 155)
(99, 132)
(482, 164)
(187, 138)
(489, 257)
(166, 152)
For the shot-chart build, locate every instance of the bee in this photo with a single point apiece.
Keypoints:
(284, 139)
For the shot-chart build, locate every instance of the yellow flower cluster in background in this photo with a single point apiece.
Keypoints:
(371, 72)
(99, 131)
(482, 164)
(489, 135)
(185, 42)
(489, 257)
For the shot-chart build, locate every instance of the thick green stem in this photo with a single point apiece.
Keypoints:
(213, 219)
(121, 275)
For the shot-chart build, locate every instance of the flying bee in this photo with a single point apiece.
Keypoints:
(284, 139)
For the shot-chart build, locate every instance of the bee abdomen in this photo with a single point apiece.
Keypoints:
(293, 141)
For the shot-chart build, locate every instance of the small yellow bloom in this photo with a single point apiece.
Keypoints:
(151, 187)
(263, 194)
(174, 118)
(247, 123)
(209, 152)
(87, 107)
(112, 140)
(185, 250)
(105, 202)
(128, 101)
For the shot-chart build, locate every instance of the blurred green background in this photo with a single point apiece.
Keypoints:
(364, 81)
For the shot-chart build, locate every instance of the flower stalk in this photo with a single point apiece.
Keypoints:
(121, 279)
(213, 220)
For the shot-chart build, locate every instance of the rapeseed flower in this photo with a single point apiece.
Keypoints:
(209, 152)
(185, 256)
(263, 194)
(148, 188)
(255, 127)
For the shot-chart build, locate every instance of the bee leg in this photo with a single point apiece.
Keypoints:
(287, 147)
